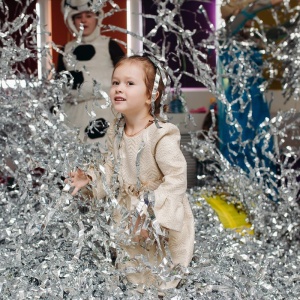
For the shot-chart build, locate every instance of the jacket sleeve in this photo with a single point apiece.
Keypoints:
(169, 196)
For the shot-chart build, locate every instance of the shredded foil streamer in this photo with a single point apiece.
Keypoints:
(55, 246)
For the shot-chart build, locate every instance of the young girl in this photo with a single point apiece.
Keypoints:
(146, 173)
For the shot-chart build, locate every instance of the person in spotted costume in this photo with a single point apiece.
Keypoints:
(89, 59)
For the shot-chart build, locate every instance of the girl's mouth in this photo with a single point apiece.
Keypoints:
(117, 99)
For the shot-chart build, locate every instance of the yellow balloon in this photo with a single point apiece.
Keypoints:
(229, 215)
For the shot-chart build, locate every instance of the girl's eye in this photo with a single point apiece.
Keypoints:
(130, 83)
(115, 83)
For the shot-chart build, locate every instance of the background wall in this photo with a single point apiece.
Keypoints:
(188, 19)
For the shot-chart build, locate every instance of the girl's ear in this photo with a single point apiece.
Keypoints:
(148, 101)
(157, 94)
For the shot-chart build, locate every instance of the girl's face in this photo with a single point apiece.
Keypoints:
(128, 91)
(89, 21)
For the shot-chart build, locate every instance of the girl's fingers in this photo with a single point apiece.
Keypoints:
(77, 179)
(75, 191)
(68, 181)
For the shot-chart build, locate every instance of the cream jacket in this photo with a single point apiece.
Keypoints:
(150, 161)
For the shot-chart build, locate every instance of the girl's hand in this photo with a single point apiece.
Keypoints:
(144, 234)
(78, 180)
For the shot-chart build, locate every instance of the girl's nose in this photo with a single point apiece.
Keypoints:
(119, 89)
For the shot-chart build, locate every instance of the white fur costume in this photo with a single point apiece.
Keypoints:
(91, 60)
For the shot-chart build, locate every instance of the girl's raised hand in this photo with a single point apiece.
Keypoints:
(78, 180)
